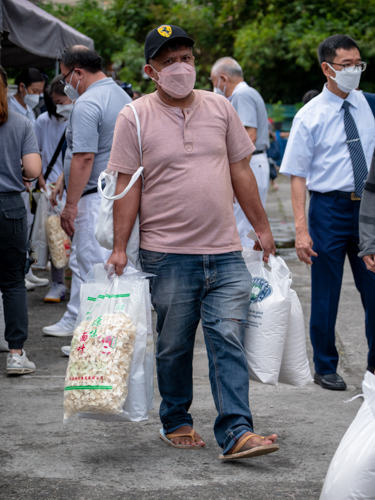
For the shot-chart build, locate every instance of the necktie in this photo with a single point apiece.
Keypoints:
(356, 151)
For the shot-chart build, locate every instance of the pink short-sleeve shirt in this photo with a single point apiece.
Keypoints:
(187, 201)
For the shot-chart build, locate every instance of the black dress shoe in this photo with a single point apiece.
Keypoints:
(331, 381)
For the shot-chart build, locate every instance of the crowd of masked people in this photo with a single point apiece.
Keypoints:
(200, 147)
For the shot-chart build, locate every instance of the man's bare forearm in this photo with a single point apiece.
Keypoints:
(125, 211)
(298, 195)
(80, 171)
(246, 191)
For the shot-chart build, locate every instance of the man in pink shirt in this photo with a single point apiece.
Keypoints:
(195, 154)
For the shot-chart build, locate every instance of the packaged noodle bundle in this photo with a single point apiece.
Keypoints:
(111, 331)
(58, 241)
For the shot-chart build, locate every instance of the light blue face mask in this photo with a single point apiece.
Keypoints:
(70, 91)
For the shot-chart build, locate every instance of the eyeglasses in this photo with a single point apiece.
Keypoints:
(63, 80)
(358, 67)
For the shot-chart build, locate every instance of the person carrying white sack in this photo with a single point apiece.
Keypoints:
(98, 101)
(227, 79)
(194, 150)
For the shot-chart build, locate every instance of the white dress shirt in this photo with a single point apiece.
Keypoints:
(317, 148)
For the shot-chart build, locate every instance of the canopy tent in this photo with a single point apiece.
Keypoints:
(30, 37)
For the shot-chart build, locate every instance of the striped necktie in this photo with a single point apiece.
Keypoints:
(356, 151)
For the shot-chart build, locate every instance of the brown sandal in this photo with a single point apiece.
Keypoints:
(166, 438)
(252, 452)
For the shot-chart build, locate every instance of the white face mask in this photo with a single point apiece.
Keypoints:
(31, 100)
(64, 110)
(217, 90)
(347, 80)
(70, 91)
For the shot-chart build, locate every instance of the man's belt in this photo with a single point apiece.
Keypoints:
(258, 152)
(345, 195)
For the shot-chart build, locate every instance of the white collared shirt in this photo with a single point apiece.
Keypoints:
(16, 106)
(317, 148)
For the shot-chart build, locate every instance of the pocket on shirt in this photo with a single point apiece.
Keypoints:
(14, 220)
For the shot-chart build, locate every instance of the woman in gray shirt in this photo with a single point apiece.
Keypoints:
(17, 142)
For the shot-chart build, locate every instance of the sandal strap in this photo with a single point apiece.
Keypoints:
(184, 434)
(243, 441)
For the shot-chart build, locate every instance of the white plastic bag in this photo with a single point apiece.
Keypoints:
(104, 229)
(39, 234)
(59, 243)
(295, 368)
(268, 316)
(106, 377)
(351, 474)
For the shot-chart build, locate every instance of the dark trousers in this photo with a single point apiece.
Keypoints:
(333, 226)
(13, 245)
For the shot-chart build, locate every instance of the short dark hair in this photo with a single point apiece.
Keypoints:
(29, 76)
(4, 76)
(327, 49)
(81, 57)
(174, 44)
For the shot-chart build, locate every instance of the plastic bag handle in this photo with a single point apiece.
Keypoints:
(253, 236)
(135, 176)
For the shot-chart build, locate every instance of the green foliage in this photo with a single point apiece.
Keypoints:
(275, 41)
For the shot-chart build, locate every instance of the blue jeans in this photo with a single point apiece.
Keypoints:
(333, 225)
(217, 290)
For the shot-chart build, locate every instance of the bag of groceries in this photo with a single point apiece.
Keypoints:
(109, 372)
(39, 233)
(351, 474)
(59, 243)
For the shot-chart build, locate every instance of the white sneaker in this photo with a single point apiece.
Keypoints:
(62, 328)
(19, 365)
(66, 350)
(56, 293)
(36, 281)
(29, 285)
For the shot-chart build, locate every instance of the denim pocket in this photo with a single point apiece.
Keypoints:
(15, 220)
(148, 256)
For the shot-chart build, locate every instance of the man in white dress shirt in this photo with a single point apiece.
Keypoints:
(227, 78)
(329, 151)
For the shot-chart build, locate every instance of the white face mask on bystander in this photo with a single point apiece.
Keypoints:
(348, 78)
(31, 100)
(70, 91)
(64, 110)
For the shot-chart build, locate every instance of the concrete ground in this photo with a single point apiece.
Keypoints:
(89, 460)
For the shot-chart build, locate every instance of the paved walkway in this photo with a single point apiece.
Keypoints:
(88, 460)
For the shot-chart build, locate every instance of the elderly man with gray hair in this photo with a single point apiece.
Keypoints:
(227, 79)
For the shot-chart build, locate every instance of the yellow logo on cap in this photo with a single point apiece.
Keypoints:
(165, 31)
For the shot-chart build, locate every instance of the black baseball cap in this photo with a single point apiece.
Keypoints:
(160, 36)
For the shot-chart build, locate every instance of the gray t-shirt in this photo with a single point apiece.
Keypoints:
(91, 126)
(253, 113)
(17, 139)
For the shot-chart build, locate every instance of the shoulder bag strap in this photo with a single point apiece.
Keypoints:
(138, 173)
(55, 156)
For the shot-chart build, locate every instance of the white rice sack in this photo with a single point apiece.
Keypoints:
(268, 316)
(295, 368)
(351, 474)
(99, 365)
(58, 242)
